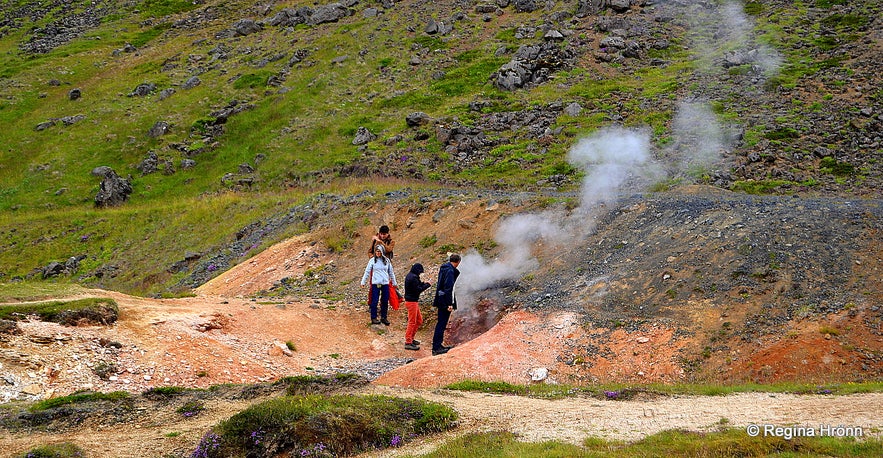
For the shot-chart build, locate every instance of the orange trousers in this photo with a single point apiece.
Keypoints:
(415, 319)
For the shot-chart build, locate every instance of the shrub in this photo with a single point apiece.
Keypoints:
(428, 241)
(252, 80)
(834, 167)
(313, 384)
(77, 398)
(191, 408)
(332, 425)
(61, 450)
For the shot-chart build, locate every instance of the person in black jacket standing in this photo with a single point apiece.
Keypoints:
(413, 287)
(444, 301)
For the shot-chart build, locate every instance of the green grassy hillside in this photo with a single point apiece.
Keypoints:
(273, 118)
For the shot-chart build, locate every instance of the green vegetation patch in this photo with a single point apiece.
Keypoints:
(311, 384)
(622, 392)
(160, 8)
(77, 398)
(61, 450)
(316, 425)
(673, 443)
(23, 291)
(253, 80)
(98, 310)
(834, 167)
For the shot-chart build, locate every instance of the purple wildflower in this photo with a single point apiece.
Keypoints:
(395, 441)
(611, 394)
(208, 443)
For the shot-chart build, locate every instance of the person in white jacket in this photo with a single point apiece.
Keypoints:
(379, 275)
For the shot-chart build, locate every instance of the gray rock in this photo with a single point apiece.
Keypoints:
(44, 125)
(149, 164)
(143, 89)
(331, 12)
(573, 109)
(525, 6)
(71, 120)
(620, 6)
(417, 119)
(113, 190)
(191, 82)
(245, 27)
(363, 136)
(158, 129)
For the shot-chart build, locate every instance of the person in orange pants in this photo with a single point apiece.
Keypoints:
(413, 287)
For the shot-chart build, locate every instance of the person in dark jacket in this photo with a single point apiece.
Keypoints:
(413, 287)
(444, 301)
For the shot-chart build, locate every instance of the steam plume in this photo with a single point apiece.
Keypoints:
(617, 160)
(614, 160)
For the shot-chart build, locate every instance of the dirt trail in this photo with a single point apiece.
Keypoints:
(569, 420)
(575, 419)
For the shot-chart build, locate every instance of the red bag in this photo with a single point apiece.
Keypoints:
(393, 297)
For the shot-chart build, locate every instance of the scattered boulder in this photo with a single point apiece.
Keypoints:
(143, 90)
(55, 268)
(531, 64)
(9, 327)
(620, 6)
(113, 190)
(573, 109)
(538, 374)
(417, 119)
(245, 27)
(288, 17)
(525, 6)
(363, 136)
(71, 120)
(74, 94)
(149, 164)
(740, 57)
(44, 125)
(191, 82)
(440, 28)
(331, 12)
(159, 129)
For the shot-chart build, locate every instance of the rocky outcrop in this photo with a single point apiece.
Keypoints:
(531, 65)
(113, 190)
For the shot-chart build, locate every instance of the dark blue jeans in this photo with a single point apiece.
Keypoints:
(439, 336)
(382, 293)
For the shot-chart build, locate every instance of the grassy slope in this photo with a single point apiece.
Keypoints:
(296, 138)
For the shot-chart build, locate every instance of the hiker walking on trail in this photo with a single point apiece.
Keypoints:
(383, 237)
(444, 301)
(379, 275)
(413, 287)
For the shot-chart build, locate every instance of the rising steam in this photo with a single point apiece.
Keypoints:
(616, 161)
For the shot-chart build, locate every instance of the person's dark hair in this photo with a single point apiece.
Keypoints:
(384, 229)
(454, 258)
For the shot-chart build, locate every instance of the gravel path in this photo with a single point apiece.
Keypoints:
(574, 419)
